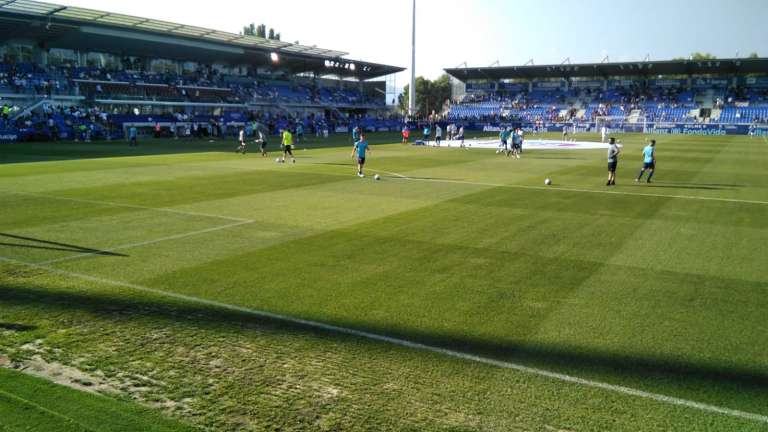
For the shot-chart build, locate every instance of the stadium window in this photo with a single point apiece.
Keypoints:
(58, 57)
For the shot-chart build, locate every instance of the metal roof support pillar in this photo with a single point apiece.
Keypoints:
(412, 91)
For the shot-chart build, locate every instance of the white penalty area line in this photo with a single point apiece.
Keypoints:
(577, 190)
(669, 400)
(145, 243)
(133, 206)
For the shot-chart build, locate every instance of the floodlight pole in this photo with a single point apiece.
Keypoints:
(412, 91)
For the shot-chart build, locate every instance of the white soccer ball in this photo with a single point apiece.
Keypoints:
(277, 160)
(548, 182)
(377, 177)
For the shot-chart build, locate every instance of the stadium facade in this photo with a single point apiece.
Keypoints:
(707, 97)
(61, 65)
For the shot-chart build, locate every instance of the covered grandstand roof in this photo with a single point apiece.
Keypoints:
(640, 68)
(75, 27)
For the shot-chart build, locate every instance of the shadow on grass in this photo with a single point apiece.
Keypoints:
(30, 152)
(669, 373)
(16, 327)
(54, 246)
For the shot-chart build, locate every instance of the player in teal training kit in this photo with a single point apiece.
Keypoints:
(504, 141)
(356, 135)
(649, 162)
(361, 148)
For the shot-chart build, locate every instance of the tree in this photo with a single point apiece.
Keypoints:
(698, 56)
(255, 30)
(249, 30)
(277, 37)
(702, 56)
(430, 95)
(271, 33)
(754, 55)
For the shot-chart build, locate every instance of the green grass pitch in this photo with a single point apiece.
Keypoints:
(197, 289)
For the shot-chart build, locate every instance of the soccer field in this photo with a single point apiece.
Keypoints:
(229, 292)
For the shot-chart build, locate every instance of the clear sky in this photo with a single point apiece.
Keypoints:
(480, 32)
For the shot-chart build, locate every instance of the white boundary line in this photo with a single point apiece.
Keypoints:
(392, 174)
(564, 189)
(145, 243)
(669, 400)
(113, 204)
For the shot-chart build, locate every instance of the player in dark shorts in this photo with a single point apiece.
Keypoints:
(361, 149)
(288, 146)
(649, 162)
(517, 143)
(262, 140)
(613, 162)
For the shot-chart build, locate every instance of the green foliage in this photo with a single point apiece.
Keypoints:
(697, 56)
(254, 30)
(703, 56)
(754, 55)
(430, 95)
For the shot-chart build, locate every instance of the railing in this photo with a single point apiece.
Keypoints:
(29, 109)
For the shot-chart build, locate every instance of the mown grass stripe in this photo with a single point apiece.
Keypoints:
(577, 190)
(132, 206)
(670, 400)
(147, 243)
(44, 410)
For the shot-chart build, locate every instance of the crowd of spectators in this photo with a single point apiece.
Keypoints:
(662, 104)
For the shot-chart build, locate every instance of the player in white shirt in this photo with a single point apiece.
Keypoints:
(604, 133)
(242, 148)
(460, 137)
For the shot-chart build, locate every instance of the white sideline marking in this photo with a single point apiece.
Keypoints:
(563, 189)
(392, 174)
(145, 243)
(413, 345)
(112, 204)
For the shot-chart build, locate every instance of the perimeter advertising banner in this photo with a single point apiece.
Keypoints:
(668, 83)
(756, 82)
(698, 129)
(650, 128)
(8, 138)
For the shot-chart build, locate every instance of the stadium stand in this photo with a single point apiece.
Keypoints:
(73, 73)
(724, 92)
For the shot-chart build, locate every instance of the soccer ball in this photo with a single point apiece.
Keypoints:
(548, 182)
(277, 160)
(377, 177)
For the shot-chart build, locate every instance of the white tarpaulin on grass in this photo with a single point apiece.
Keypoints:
(529, 144)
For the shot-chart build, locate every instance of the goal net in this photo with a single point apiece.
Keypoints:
(621, 124)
